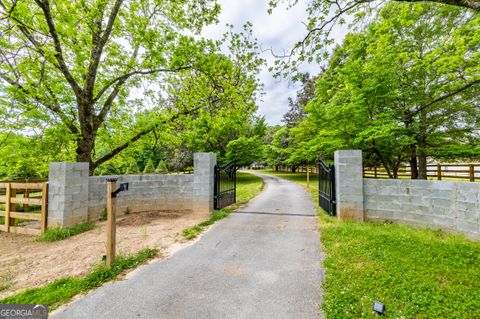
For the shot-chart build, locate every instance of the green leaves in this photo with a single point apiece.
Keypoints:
(327, 17)
(405, 85)
(106, 73)
(245, 150)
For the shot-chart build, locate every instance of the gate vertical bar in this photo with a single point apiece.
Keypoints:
(225, 188)
(326, 187)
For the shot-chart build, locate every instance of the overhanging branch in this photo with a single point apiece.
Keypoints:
(137, 136)
(443, 97)
(126, 76)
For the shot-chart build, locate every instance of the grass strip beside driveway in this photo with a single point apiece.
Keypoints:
(248, 186)
(417, 273)
(62, 290)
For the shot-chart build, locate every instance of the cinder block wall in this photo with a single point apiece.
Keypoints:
(349, 184)
(437, 204)
(444, 205)
(145, 193)
(74, 196)
(67, 193)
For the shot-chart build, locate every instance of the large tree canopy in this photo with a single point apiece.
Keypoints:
(325, 15)
(404, 89)
(73, 66)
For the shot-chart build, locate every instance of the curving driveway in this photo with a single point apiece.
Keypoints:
(261, 262)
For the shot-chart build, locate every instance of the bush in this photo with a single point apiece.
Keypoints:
(149, 168)
(161, 167)
(133, 168)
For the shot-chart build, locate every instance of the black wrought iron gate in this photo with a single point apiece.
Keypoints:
(326, 187)
(225, 186)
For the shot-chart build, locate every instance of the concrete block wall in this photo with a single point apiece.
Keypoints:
(438, 204)
(203, 189)
(75, 197)
(145, 193)
(67, 194)
(349, 184)
(444, 205)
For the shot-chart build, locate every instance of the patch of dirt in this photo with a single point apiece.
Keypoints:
(144, 218)
(28, 263)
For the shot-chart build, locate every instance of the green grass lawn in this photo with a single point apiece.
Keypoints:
(417, 273)
(248, 186)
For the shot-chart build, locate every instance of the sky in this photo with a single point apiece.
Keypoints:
(278, 31)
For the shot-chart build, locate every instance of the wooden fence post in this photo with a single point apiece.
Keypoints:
(472, 173)
(439, 172)
(13, 206)
(308, 177)
(7, 208)
(375, 171)
(43, 221)
(26, 194)
(111, 229)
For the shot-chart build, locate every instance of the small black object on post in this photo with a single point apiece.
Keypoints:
(123, 187)
(379, 308)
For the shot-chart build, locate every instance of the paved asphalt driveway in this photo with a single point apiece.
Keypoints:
(261, 262)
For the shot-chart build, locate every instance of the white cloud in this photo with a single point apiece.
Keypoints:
(279, 32)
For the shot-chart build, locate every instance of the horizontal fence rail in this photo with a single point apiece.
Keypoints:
(20, 202)
(459, 172)
(298, 169)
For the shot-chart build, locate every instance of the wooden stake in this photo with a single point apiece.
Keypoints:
(26, 194)
(308, 177)
(472, 173)
(7, 208)
(439, 172)
(111, 230)
(43, 221)
(13, 206)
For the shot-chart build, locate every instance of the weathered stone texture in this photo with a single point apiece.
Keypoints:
(74, 196)
(68, 194)
(349, 184)
(438, 204)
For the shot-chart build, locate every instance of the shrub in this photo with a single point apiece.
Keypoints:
(161, 167)
(149, 168)
(132, 168)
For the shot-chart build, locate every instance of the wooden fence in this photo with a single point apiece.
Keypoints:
(457, 172)
(23, 202)
(466, 172)
(299, 169)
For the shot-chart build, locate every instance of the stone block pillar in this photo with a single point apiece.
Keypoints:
(203, 181)
(349, 184)
(68, 194)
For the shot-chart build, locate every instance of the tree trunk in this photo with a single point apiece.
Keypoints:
(413, 162)
(396, 167)
(384, 162)
(422, 146)
(422, 160)
(85, 146)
